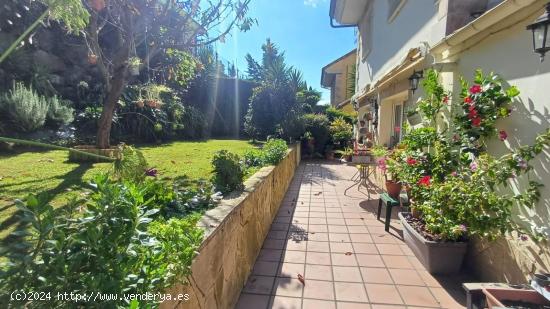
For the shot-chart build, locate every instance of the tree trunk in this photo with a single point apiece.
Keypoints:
(117, 84)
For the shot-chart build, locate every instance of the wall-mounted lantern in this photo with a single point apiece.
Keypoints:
(541, 33)
(414, 80)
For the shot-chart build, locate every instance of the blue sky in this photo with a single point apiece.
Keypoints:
(299, 27)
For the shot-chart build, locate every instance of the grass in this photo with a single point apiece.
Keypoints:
(49, 171)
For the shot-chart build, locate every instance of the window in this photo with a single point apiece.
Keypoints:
(397, 124)
(394, 6)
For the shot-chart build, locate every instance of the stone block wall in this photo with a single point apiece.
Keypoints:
(234, 234)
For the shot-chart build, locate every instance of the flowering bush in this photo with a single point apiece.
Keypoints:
(455, 184)
(483, 103)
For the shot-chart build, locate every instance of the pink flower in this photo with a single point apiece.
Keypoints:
(476, 122)
(522, 164)
(382, 165)
(502, 135)
(468, 100)
(524, 237)
(151, 172)
(454, 174)
(475, 89)
(411, 161)
(463, 228)
(425, 181)
(445, 99)
(473, 166)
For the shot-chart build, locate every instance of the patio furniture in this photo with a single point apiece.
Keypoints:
(365, 168)
(389, 202)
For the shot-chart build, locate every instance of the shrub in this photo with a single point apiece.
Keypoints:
(25, 107)
(318, 126)
(269, 104)
(333, 114)
(29, 111)
(131, 165)
(179, 240)
(228, 171)
(194, 123)
(117, 243)
(455, 183)
(274, 151)
(59, 111)
(253, 158)
(292, 126)
(341, 131)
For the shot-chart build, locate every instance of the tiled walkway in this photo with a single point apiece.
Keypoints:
(346, 259)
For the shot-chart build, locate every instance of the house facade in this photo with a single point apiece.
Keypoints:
(397, 38)
(339, 77)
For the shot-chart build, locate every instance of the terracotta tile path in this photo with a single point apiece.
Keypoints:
(346, 258)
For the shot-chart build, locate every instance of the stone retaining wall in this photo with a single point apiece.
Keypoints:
(235, 232)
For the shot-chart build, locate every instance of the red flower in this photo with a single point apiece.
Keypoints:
(471, 107)
(425, 181)
(475, 89)
(445, 99)
(502, 135)
(472, 114)
(411, 161)
(476, 122)
(468, 100)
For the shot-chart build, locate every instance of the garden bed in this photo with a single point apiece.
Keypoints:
(234, 234)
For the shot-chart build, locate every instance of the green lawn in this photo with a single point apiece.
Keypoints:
(49, 171)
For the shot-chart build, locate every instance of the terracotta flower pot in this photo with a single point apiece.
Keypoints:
(97, 5)
(393, 188)
(92, 59)
(152, 103)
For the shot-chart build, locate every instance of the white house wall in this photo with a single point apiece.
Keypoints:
(389, 42)
(509, 53)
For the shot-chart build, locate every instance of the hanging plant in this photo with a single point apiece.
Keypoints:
(133, 65)
(92, 59)
(97, 5)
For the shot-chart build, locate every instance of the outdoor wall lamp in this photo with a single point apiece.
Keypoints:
(414, 80)
(541, 33)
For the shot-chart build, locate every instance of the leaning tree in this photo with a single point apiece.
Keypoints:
(152, 30)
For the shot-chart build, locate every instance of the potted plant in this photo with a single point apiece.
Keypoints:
(97, 5)
(514, 298)
(345, 153)
(388, 163)
(92, 59)
(133, 65)
(153, 95)
(413, 117)
(454, 182)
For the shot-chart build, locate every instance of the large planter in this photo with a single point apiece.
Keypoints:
(113, 152)
(437, 257)
(506, 298)
(393, 188)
